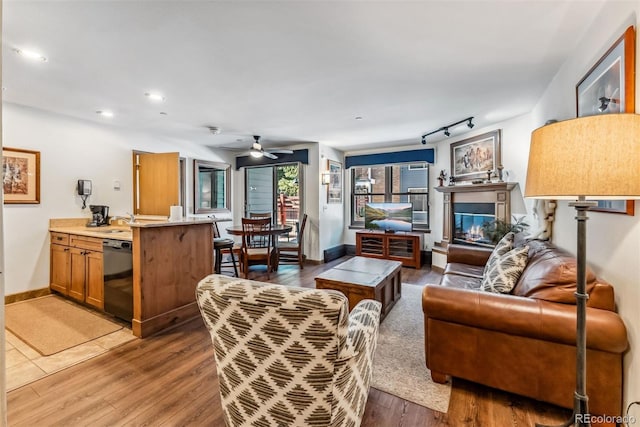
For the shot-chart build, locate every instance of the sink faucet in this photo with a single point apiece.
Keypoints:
(131, 217)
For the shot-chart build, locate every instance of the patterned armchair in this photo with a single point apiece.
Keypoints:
(288, 356)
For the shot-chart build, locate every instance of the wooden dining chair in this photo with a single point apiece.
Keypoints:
(257, 244)
(292, 251)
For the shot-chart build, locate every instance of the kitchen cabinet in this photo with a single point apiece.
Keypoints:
(77, 268)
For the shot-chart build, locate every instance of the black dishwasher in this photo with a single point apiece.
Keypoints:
(118, 278)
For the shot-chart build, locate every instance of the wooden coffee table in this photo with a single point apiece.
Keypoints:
(365, 278)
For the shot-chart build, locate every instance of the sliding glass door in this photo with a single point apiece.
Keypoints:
(275, 190)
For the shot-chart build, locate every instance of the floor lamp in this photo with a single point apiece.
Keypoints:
(596, 157)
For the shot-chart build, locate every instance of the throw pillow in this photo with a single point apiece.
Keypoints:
(504, 245)
(504, 273)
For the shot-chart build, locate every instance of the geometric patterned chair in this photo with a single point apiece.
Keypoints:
(288, 356)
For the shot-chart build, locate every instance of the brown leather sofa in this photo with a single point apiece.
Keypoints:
(524, 342)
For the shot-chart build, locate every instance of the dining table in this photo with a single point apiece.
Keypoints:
(275, 230)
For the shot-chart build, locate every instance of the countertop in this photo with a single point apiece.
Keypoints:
(122, 231)
(109, 232)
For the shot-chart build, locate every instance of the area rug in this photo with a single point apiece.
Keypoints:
(51, 324)
(399, 367)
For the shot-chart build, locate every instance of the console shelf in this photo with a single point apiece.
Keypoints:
(403, 247)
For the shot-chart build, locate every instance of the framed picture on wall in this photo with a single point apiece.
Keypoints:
(472, 158)
(334, 190)
(20, 176)
(609, 88)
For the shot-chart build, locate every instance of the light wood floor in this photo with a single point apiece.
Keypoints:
(169, 380)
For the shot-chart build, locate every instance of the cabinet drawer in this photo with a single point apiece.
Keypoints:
(59, 238)
(84, 242)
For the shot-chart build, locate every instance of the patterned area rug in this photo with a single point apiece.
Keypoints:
(399, 366)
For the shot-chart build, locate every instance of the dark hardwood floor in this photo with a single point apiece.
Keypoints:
(169, 380)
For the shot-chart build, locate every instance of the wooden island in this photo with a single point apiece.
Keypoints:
(169, 259)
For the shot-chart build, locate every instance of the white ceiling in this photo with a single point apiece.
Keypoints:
(291, 71)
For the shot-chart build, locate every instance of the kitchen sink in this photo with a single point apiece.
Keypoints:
(112, 231)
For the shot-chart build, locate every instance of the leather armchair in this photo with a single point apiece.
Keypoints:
(288, 356)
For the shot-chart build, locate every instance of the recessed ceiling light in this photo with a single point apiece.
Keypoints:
(154, 96)
(105, 113)
(163, 113)
(358, 117)
(30, 54)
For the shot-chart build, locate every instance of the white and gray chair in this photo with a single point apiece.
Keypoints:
(288, 356)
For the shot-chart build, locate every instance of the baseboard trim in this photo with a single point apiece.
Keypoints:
(22, 296)
(334, 253)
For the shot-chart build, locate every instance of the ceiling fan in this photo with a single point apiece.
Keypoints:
(257, 150)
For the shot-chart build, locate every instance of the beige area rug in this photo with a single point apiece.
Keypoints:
(399, 367)
(51, 324)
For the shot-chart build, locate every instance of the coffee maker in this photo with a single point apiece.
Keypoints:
(99, 216)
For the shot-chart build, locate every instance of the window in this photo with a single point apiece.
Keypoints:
(391, 183)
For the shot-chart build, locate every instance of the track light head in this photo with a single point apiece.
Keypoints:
(604, 103)
(470, 123)
(446, 132)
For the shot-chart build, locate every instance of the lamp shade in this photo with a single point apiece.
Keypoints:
(597, 157)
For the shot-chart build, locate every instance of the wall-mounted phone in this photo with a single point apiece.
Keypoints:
(84, 191)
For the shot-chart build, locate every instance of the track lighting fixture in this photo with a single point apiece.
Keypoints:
(445, 129)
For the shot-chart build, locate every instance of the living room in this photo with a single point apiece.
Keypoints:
(74, 148)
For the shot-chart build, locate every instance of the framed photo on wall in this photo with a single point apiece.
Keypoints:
(334, 190)
(609, 88)
(20, 176)
(473, 157)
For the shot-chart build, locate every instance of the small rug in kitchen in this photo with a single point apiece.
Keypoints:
(51, 324)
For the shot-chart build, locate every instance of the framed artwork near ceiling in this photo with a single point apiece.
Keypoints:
(609, 88)
(20, 176)
(472, 158)
(334, 190)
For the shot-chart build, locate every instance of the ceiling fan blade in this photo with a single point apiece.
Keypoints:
(269, 155)
(283, 151)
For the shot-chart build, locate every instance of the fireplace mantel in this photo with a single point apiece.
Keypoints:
(467, 188)
(498, 193)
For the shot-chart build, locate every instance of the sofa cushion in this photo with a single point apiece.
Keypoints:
(460, 282)
(550, 274)
(468, 270)
(505, 271)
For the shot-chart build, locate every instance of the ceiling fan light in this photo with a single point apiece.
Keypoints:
(256, 153)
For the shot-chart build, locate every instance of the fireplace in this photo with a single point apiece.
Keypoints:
(467, 207)
(468, 219)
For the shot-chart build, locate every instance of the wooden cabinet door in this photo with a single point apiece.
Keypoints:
(78, 274)
(95, 279)
(60, 269)
(157, 179)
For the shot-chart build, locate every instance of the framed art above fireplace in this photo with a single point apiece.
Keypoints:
(472, 158)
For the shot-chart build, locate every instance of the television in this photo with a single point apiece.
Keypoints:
(389, 217)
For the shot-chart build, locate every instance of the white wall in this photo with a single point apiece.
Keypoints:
(332, 216)
(71, 149)
(613, 241)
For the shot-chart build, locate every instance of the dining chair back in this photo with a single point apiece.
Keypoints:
(257, 243)
(293, 251)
